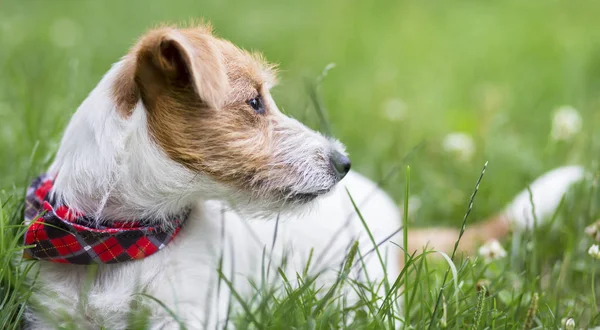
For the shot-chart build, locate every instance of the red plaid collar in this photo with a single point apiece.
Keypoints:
(59, 234)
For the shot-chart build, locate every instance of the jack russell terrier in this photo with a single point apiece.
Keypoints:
(179, 170)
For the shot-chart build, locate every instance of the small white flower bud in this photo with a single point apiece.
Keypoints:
(492, 250)
(570, 324)
(566, 123)
(594, 251)
(460, 145)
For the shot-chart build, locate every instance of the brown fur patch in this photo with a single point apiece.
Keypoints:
(195, 88)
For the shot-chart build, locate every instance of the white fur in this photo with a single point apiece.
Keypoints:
(546, 194)
(111, 167)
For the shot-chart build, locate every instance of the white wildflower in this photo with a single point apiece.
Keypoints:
(64, 33)
(460, 145)
(566, 123)
(569, 323)
(594, 251)
(492, 250)
(593, 230)
(394, 109)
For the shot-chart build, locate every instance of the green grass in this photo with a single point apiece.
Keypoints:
(496, 70)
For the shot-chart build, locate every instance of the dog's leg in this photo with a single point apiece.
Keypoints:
(444, 239)
(546, 192)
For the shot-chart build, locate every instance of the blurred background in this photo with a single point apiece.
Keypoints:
(440, 86)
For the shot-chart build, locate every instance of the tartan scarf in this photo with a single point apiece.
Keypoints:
(59, 234)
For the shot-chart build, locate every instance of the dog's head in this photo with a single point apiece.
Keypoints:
(209, 108)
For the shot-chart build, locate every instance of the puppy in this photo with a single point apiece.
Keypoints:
(178, 174)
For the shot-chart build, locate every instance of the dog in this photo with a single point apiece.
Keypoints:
(178, 172)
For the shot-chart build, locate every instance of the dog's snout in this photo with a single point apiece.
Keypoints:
(341, 164)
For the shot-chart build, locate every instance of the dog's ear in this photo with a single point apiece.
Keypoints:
(171, 58)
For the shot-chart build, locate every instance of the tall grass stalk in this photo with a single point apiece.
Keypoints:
(462, 231)
(594, 298)
(405, 241)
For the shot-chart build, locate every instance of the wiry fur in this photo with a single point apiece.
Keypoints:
(172, 149)
(169, 128)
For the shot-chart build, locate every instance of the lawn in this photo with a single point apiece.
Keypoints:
(407, 74)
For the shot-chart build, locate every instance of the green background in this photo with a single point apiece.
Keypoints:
(494, 69)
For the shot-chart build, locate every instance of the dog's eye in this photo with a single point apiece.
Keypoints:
(257, 104)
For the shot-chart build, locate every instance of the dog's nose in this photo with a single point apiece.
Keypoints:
(341, 164)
